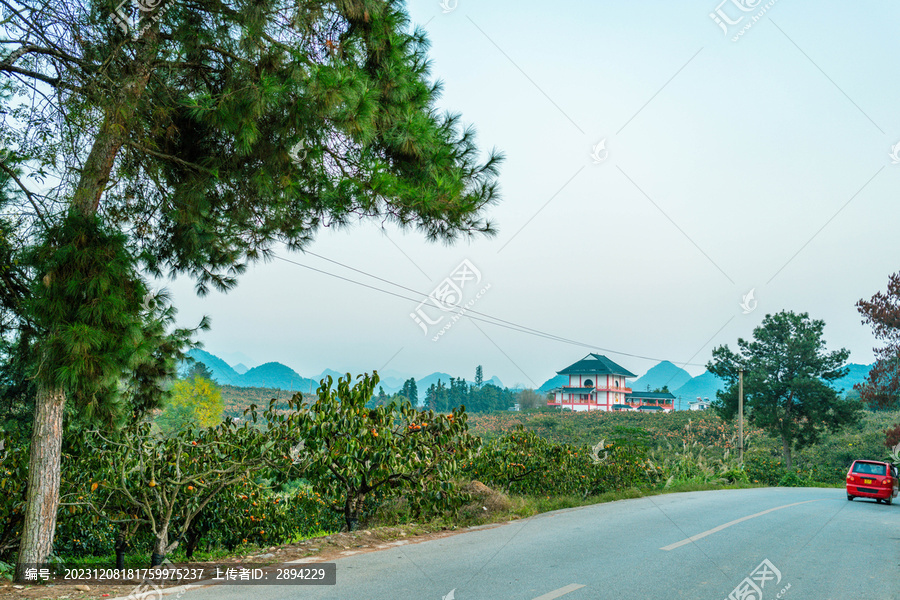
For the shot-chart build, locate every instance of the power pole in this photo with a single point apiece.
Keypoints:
(741, 414)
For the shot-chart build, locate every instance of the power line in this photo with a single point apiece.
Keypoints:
(489, 319)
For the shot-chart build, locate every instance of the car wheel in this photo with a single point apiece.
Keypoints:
(889, 500)
(877, 500)
(849, 497)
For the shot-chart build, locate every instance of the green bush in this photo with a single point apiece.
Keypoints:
(762, 468)
(791, 479)
(522, 462)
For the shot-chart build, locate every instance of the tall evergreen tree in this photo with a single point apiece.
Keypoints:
(191, 140)
(787, 373)
(479, 376)
(410, 391)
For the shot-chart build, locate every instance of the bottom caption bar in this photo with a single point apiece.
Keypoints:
(172, 574)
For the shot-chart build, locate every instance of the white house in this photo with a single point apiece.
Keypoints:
(699, 404)
(595, 383)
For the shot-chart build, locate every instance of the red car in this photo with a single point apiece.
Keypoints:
(872, 479)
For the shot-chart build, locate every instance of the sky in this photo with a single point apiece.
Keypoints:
(659, 167)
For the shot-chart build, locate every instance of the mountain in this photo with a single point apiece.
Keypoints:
(278, 376)
(391, 385)
(221, 370)
(236, 358)
(857, 374)
(554, 382)
(274, 375)
(665, 373)
(334, 374)
(270, 375)
(703, 386)
(423, 384)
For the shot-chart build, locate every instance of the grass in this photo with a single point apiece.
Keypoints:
(505, 507)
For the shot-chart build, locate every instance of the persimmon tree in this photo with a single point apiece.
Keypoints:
(191, 138)
(164, 482)
(355, 452)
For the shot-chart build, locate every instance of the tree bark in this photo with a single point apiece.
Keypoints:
(160, 546)
(44, 462)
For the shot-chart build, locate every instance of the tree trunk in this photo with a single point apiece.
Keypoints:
(160, 546)
(352, 508)
(786, 450)
(45, 455)
(121, 546)
(44, 462)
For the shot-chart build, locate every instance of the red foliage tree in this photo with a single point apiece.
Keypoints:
(882, 388)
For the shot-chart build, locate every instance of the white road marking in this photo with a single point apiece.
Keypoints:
(301, 561)
(694, 538)
(560, 592)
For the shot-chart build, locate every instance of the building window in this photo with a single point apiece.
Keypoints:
(588, 383)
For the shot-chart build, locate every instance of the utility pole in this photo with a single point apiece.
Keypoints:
(741, 414)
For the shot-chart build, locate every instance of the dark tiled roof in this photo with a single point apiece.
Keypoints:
(595, 364)
(650, 408)
(574, 390)
(650, 395)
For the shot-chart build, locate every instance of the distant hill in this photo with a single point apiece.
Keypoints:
(278, 376)
(857, 374)
(239, 358)
(703, 386)
(391, 385)
(221, 370)
(275, 375)
(334, 374)
(554, 382)
(665, 373)
(270, 375)
(423, 384)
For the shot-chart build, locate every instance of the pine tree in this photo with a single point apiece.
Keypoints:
(410, 391)
(191, 142)
(479, 376)
(787, 373)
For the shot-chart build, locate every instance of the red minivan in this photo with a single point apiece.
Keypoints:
(872, 479)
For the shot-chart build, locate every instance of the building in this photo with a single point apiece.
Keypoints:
(700, 404)
(595, 383)
(663, 400)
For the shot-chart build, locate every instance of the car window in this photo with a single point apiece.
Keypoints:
(869, 469)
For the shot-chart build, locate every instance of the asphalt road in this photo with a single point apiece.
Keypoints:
(696, 546)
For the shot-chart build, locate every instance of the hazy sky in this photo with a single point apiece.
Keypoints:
(728, 166)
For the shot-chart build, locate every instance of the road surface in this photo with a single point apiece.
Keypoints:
(790, 543)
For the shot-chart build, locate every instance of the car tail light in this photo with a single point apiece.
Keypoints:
(850, 479)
